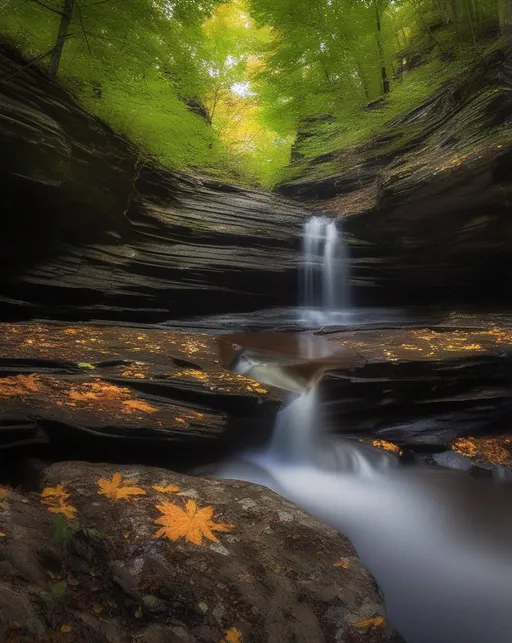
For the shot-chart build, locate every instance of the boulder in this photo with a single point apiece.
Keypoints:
(118, 554)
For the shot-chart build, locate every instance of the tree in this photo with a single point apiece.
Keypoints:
(379, 6)
(65, 20)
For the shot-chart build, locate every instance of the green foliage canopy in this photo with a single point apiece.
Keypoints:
(225, 87)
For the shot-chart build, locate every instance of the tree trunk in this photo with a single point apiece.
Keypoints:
(67, 13)
(383, 72)
(505, 18)
(363, 82)
(426, 26)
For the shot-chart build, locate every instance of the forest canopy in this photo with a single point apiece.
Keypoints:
(227, 87)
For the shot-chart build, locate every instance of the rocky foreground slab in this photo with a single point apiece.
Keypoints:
(122, 554)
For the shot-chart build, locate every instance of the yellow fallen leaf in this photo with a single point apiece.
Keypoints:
(118, 489)
(62, 508)
(3, 502)
(140, 405)
(341, 563)
(65, 628)
(2, 535)
(56, 499)
(58, 491)
(18, 385)
(233, 636)
(376, 621)
(193, 523)
(97, 608)
(388, 446)
(167, 489)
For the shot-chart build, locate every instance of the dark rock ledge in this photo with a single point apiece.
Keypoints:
(90, 231)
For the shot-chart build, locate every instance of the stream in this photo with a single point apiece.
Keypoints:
(437, 541)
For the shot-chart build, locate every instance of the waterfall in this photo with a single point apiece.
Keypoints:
(325, 273)
(439, 543)
(292, 438)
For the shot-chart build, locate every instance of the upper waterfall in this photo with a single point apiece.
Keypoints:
(325, 295)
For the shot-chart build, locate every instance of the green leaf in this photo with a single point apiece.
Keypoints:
(59, 589)
(61, 530)
(86, 365)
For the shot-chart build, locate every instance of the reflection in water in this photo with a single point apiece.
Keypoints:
(438, 542)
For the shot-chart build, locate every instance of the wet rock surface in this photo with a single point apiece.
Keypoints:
(166, 396)
(142, 554)
(122, 394)
(112, 237)
(424, 387)
(426, 205)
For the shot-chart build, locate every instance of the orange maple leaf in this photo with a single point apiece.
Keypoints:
(167, 489)
(192, 523)
(56, 498)
(118, 489)
(233, 636)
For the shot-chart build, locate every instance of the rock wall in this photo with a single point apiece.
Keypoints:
(427, 205)
(90, 230)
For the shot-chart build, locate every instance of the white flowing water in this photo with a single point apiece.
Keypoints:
(325, 273)
(438, 542)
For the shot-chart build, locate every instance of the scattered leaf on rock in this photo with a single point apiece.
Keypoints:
(18, 385)
(192, 523)
(56, 499)
(2, 535)
(233, 636)
(376, 621)
(341, 563)
(140, 405)
(65, 628)
(118, 489)
(3, 502)
(388, 446)
(86, 365)
(170, 488)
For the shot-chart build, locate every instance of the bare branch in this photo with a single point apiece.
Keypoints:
(32, 62)
(93, 4)
(83, 29)
(42, 4)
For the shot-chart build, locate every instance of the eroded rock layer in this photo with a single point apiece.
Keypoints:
(426, 205)
(92, 231)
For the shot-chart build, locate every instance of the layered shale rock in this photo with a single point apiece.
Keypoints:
(426, 205)
(92, 231)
